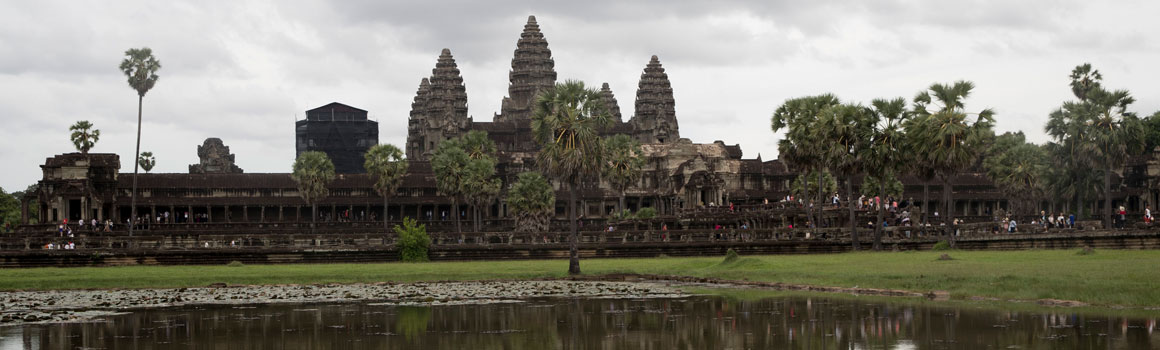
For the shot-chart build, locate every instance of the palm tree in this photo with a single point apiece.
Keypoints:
(801, 148)
(1018, 168)
(147, 161)
(624, 165)
(846, 127)
(450, 163)
(140, 67)
(481, 186)
(1117, 134)
(313, 171)
(84, 137)
(385, 164)
(565, 123)
(944, 138)
(531, 199)
(883, 158)
(1072, 148)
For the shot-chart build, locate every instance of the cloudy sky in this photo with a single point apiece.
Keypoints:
(245, 70)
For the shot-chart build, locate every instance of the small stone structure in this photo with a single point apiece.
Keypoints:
(215, 158)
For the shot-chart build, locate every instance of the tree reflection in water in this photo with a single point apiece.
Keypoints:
(700, 322)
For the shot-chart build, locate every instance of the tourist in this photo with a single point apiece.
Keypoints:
(1071, 220)
(1011, 226)
(1147, 214)
(1123, 217)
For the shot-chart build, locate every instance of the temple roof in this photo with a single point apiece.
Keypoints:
(610, 103)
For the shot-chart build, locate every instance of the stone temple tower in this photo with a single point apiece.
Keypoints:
(533, 69)
(609, 101)
(439, 110)
(655, 119)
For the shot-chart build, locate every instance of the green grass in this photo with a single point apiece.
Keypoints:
(1125, 278)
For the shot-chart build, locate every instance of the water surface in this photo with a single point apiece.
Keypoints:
(700, 322)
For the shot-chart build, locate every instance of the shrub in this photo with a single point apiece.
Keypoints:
(1087, 250)
(413, 240)
(731, 256)
(941, 245)
(235, 263)
(646, 213)
(945, 257)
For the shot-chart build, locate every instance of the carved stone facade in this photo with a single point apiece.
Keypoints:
(78, 186)
(533, 70)
(439, 111)
(655, 119)
(215, 158)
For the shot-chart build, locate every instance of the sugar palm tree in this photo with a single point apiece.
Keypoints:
(140, 67)
(846, 128)
(84, 136)
(450, 165)
(624, 164)
(531, 200)
(883, 158)
(313, 171)
(1117, 134)
(1019, 168)
(481, 186)
(386, 166)
(146, 161)
(565, 123)
(801, 148)
(945, 137)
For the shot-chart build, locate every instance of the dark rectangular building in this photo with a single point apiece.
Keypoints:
(342, 132)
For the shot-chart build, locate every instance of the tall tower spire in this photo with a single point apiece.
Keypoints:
(655, 119)
(533, 69)
(609, 101)
(439, 111)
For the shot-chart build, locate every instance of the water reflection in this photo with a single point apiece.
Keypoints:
(689, 323)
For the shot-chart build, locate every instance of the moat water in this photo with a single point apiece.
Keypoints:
(698, 322)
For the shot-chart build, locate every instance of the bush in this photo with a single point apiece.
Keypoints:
(646, 213)
(941, 245)
(731, 256)
(1087, 250)
(413, 241)
(235, 263)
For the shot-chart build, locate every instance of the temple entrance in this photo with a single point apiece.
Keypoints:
(74, 209)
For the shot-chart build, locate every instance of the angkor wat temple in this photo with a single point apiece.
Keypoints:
(680, 175)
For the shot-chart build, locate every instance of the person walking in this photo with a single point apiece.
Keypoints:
(1147, 215)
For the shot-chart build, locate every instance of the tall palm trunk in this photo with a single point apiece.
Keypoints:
(818, 205)
(313, 216)
(925, 202)
(1108, 198)
(386, 223)
(853, 217)
(621, 209)
(950, 206)
(136, 152)
(455, 213)
(573, 244)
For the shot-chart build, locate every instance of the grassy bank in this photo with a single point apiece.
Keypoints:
(1128, 278)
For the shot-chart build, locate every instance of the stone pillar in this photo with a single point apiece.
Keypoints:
(280, 217)
(245, 213)
(208, 213)
(24, 209)
(172, 213)
(261, 213)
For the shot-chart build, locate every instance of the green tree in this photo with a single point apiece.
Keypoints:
(140, 67)
(1117, 134)
(883, 158)
(565, 123)
(313, 171)
(33, 201)
(802, 146)
(146, 161)
(624, 164)
(413, 241)
(532, 200)
(846, 126)
(450, 164)
(1152, 132)
(9, 211)
(944, 137)
(84, 136)
(481, 187)
(1019, 169)
(386, 166)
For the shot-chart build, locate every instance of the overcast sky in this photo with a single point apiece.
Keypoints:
(245, 70)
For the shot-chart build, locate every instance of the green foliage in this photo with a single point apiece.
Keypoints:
(646, 213)
(146, 161)
(385, 164)
(412, 321)
(872, 186)
(624, 165)
(805, 185)
(84, 136)
(235, 263)
(140, 67)
(532, 201)
(9, 211)
(941, 245)
(1152, 131)
(565, 124)
(731, 256)
(413, 241)
(1018, 167)
(313, 171)
(468, 175)
(802, 146)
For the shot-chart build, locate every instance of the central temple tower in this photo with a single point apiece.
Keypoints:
(533, 69)
(655, 119)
